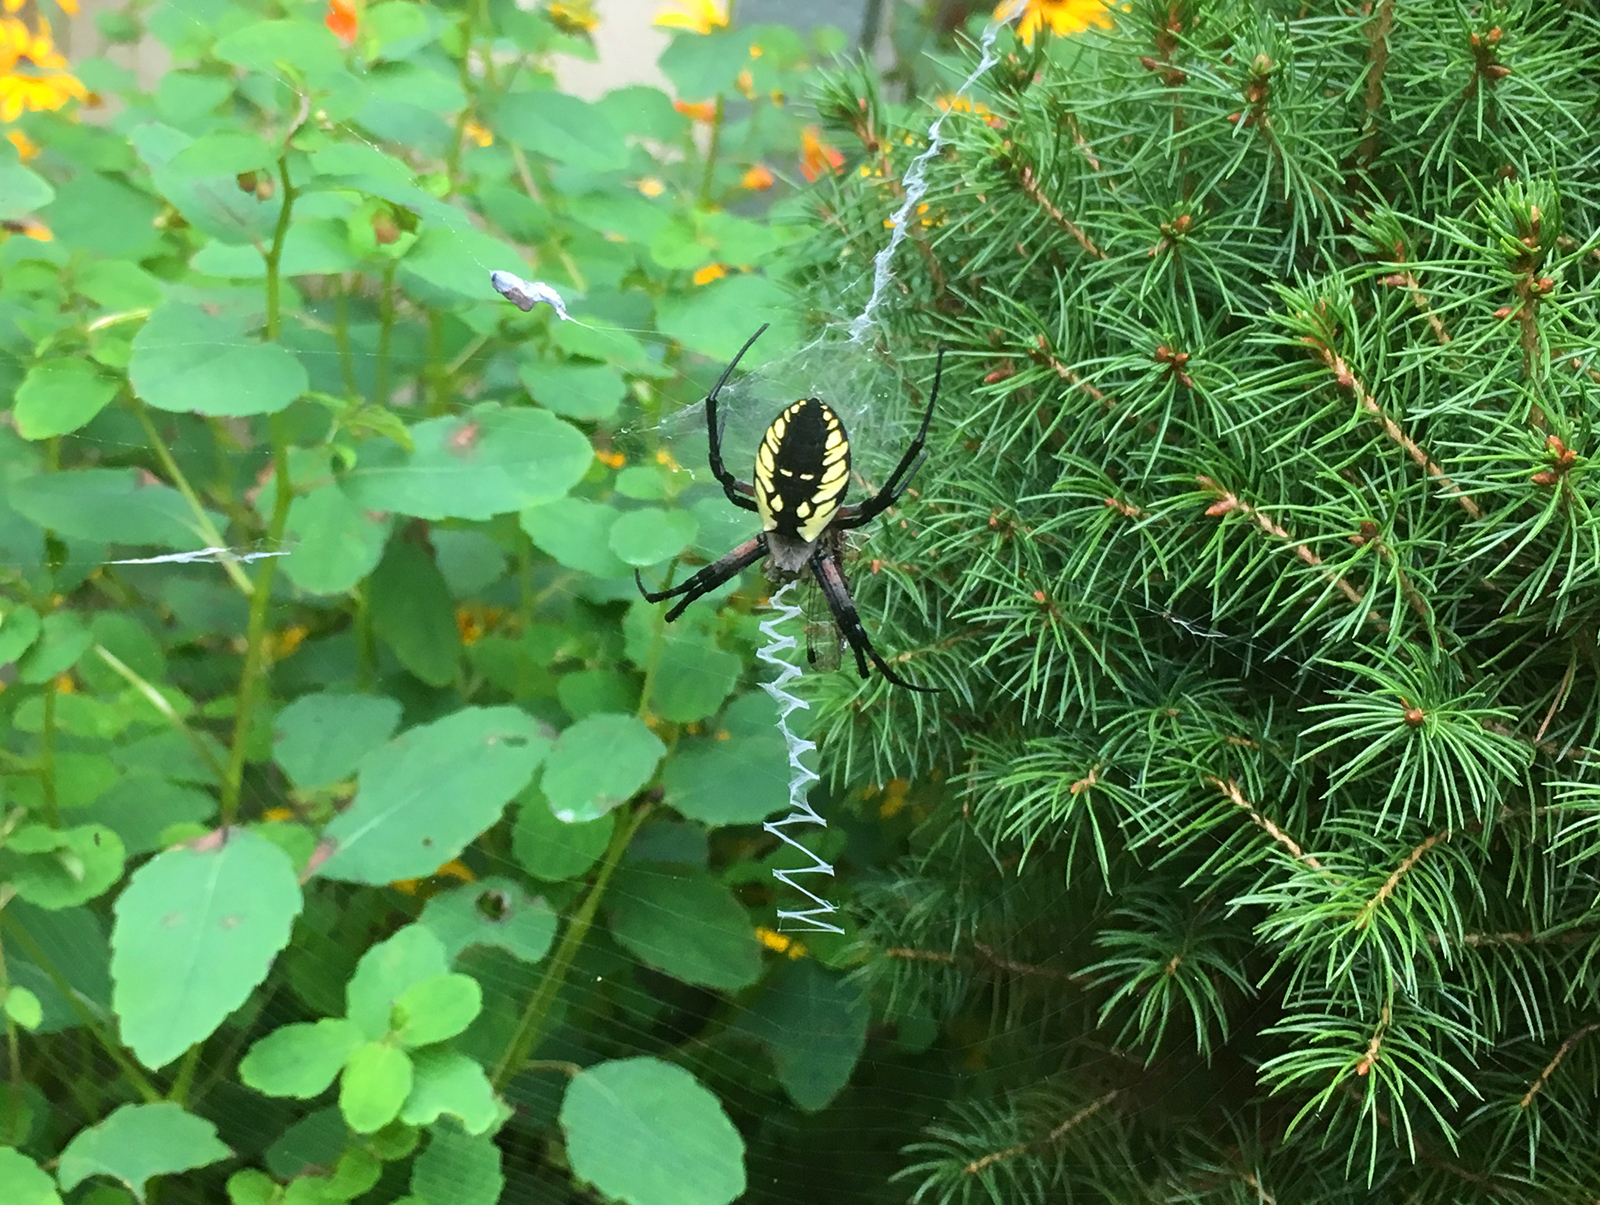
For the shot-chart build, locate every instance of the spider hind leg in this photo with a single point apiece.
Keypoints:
(831, 581)
(707, 579)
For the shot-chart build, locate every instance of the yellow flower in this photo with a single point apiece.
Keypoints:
(573, 16)
(475, 620)
(962, 104)
(1062, 16)
(453, 869)
(30, 227)
(697, 16)
(664, 457)
(696, 110)
(287, 641)
(33, 75)
(25, 145)
(651, 187)
(746, 83)
(776, 941)
(614, 460)
(479, 134)
(70, 7)
(709, 273)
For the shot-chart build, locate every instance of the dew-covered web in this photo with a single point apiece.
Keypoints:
(198, 580)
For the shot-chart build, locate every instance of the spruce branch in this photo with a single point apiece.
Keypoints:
(1550, 1068)
(1050, 1139)
(1377, 63)
(1236, 797)
(1029, 183)
(1230, 503)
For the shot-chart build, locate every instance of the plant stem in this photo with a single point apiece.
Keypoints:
(255, 657)
(380, 372)
(136, 1077)
(530, 1028)
(709, 178)
(157, 700)
(47, 754)
(208, 529)
(341, 336)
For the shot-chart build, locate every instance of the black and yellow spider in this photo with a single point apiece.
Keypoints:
(801, 474)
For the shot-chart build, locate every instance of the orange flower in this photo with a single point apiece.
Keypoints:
(697, 16)
(1062, 16)
(816, 156)
(746, 83)
(341, 19)
(757, 179)
(30, 228)
(709, 273)
(480, 135)
(696, 110)
(613, 460)
(25, 145)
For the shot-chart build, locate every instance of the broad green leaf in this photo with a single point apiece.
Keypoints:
(815, 1023)
(140, 807)
(398, 826)
(301, 1059)
(138, 1142)
(645, 112)
(336, 543)
(320, 739)
(212, 203)
(445, 1082)
(650, 534)
(693, 675)
(735, 774)
(470, 560)
(577, 533)
(118, 506)
(59, 396)
(562, 128)
(552, 849)
(386, 971)
(702, 65)
(646, 1132)
(413, 614)
(458, 1169)
(21, 192)
(716, 319)
(74, 942)
(23, 1007)
(223, 153)
(585, 392)
(62, 640)
(436, 1009)
(305, 47)
(686, 923)
(491, 912)
(60, 868)
(489, 461)
(375, 1083)
(25, 1183)
(599, 762)
(18, 630)
(313, 246)
(453, 258)
(196, 930)
(187, 360)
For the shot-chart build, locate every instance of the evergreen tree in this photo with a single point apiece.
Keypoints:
(1257, 555)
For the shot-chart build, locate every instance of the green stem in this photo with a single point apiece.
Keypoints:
(531, 1026)
(380, 372)
(709, 178)
(208, 529)
(341, 336)
(47, 754)
(255, 657)
(159, 702)
(136, 1077)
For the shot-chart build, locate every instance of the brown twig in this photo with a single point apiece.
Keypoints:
(1030, 187)
(1235, 796)
(1378, 61)
(1228, 503)
(1054, 1136)
(1400, 871)
(1550, 1068)
(985, 957)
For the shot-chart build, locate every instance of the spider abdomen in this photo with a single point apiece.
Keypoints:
(802, 472)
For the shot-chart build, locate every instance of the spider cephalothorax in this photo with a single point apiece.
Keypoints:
(801, 474)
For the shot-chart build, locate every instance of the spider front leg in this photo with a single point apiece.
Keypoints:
(830, 578)
(708, 578)
(851, 517)
(738, 492)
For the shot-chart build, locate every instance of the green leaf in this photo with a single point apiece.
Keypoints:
(187, 360)
(307, 48)
(436, 1009)
(577, 533)
(21, 192)
(212, 203)
(453, 257)
(223, 153)
(59, 396)
(477, 759)
(23, 1007)
(584, 392)
(63, 868)
(491, 912)
(62, 640)
(686, 923)
(645, 112)
(735, 774)
(693, 675)
(25, 1183)
(815, 1024)
(109, 505)
(140, 807)
(458, 1169)
(487, 462)
(413, 614)
(386, 971)
(300, 1060)
(138, 1142)
(647, 1132)
(196, 930)
(448, 1082)
(553, 850)
(336, 543)
(18, 630)
(74, 941)
(320, 739)
(702, 65)
(376, 1082)
(599, 762)
(649, 534)
(562, 128)
(716, 320)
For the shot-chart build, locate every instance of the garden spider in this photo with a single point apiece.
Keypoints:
(802, 472)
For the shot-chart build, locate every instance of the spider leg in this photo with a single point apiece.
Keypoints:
(856, 516)
(831, 579)
(708, 578)
(739, 493)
